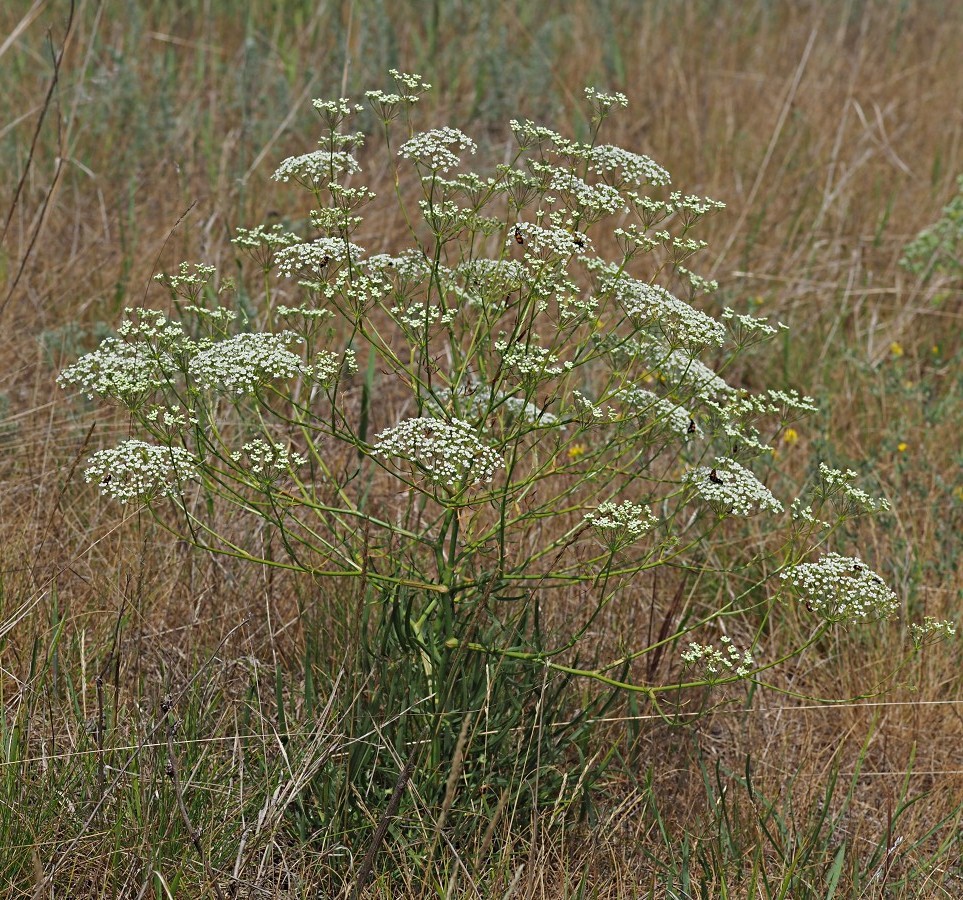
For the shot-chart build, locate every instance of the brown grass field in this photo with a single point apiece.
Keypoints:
(146, 133)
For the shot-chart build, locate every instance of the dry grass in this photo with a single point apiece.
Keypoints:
(834, 134)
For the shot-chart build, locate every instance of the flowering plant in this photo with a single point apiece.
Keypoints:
(536, 418)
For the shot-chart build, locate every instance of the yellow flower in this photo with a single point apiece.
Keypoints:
(575, 451)
(896, 349)
(790, 437)
(958, 492)
(902, 447)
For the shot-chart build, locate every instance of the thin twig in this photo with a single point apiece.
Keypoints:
(47, 103)
(167, 708)
(367, 864)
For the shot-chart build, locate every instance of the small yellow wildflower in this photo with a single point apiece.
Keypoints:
(575, 451)
(902, 447)
(935, 349)
(790, 437)
(958, 492)
(896, 349)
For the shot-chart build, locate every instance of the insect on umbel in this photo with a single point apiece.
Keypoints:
(714, 478)
(519, 237)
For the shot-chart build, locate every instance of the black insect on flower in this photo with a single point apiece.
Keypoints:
(714, 477)
(107, 479)
(519, 237)
(692, 427)
(579, 242)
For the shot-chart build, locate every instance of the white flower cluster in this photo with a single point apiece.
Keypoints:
(309, 313)
(241, 364)
(528, 362)
(447, 452)
(157, 329)
(692, 375)
(600, 199)
(652, 304)
(551, 241)
(785, 404)
(262, 243)
(690, 206)
(931, 631)
(630, 168)
(170, 420)
(418, 318)
(492, 277)
(328, 367)
(749, 328)
(719, 663)
(410, 81)
(620, 524)
(336, 111)
(315, 257)
(267, 461)
(136, 470)
(836, 485)
(603, 101)
(118, 371)
(521, 410)
(841, 588)
(412, 265)
(587, 411)
(318, 167)
(528, 133)
(731, 489)
(187, 283)
(475, 403)
(432, 148)
(651, 406)
(699, 284)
